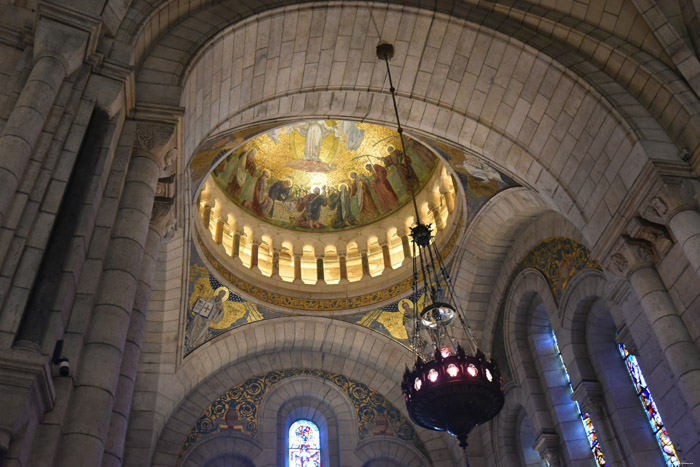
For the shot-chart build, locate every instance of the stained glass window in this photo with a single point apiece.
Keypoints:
(657, 424)
(304, 444)
(585, 416)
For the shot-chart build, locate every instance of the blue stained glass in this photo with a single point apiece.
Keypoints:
(585, 417)
(304, 444)
(657, 424)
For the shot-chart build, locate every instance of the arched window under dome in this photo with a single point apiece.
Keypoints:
(304, 444)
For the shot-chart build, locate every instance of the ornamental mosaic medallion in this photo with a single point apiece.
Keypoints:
(324, 175)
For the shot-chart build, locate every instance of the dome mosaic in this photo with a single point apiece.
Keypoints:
(324, 175)
(319, 202)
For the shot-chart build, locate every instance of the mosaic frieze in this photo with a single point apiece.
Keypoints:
(238, 409)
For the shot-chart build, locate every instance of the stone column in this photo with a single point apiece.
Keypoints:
(236, 244)
(343, 264)
(218, 230)
(365, 264)
(320, 273)
(297, 267)
(58, 52)
(675, 206)
(275, 263)
(547, 445)
(589, 395)
(407, 249)
(386, 255)
(85, 428)
(633, 259)
(254, 247)
(162, 224)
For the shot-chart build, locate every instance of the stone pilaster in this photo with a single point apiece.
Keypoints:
(254, 249)
(27, 393)
(92, 401)
(676, 206)
(589, 395)
(236, 244)
(320, 273)
(161, 228)
(547, 445)
(343, 264)
(297, 267)
(406, 243)
(275, 263)
(58, 51)
(386, 255)
(634, 260)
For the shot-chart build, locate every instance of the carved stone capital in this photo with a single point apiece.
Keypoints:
(155, 140)
(655, 234)
(675, 195)
(61, 42)
(163, 218)
(589, 395)
(547, 445)
(628, 255)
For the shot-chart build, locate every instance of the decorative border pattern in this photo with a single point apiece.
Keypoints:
(238, 408)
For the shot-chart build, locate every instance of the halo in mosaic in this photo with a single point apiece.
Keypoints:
(237, 409)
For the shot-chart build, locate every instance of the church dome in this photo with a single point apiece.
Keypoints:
(323, 202)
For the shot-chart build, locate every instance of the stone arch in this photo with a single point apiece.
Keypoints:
(221, 448)
(146, 33)
(583, 291)
(380, 451)
(545, 157)
(311, 399)
(478, 272)
(545, 225)
(598, 372)
(525, 441)
(530, 315)
(281, 343)
(529, 290)
(503, 428)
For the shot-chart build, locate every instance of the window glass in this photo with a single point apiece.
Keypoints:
(657, 424)
(304, 444)
(585, 416)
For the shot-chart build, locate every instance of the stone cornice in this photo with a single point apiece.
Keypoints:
(14, 37)
(75, 19)
(27, 372)
(157, 113)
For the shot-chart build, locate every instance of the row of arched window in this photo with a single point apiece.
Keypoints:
(652, 412)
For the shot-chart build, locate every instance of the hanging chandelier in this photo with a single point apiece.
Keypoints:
(448, 389)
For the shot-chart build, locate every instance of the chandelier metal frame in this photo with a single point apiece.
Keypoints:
(447, 389)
